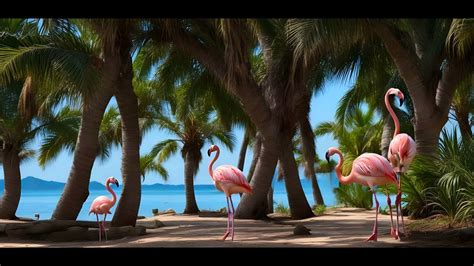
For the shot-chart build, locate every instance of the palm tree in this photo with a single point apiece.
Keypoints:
(17, 130)
(225, 48)
(192, 127)
(63, 65)
(419, 50)
(463, 107)
(309, 166)
(108, 53)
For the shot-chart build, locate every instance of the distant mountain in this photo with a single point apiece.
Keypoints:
(33, 183)
(173, 187)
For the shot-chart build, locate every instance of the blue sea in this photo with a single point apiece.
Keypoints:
(169, 197)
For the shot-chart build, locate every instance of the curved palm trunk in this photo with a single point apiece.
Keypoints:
(309, 153)
(387, 135)
(257, 145)
(243, 151)
(129, 203)
(12, 187)
(299, 207)
(190, 166)
(432, 92)
(251, 205)
(76, 190)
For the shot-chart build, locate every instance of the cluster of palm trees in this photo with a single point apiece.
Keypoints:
(199, 78)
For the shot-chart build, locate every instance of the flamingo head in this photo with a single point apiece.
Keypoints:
(398, 93)
(212, 149)
(330, 153)
(113, 180)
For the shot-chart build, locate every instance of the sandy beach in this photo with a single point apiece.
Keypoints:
(341, 227)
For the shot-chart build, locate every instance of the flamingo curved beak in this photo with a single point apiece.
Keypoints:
(116, 183)
(401, 102)
(327, 156)
(209, 152)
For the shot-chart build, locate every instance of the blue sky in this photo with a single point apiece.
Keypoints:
(322, 109)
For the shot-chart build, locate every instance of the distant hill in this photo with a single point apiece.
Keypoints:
(33, 183)
(173, 187)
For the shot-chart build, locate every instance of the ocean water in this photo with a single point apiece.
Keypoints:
(207, 197)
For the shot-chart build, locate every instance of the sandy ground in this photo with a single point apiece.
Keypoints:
(343, 227)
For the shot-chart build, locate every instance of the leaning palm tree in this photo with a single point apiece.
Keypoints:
(192, 127)
(225, 48)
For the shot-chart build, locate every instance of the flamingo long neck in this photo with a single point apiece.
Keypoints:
(212, 163)
(342, 179)
(107, 186)
(392, 114)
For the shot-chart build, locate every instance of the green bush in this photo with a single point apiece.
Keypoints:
(354, 195)
(319, 209)
(282, 209)
(445, 184)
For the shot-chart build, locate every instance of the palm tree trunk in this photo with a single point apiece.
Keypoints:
(270, 200)
(309, 154)
(129, 203)
(76, 190)
(252, 205)
(427, 130)
(190, 166)
(243, 151)
(387, 135)
(299, 207)
(464, 125)
(257, 146)
(12, 185)
(432, 93)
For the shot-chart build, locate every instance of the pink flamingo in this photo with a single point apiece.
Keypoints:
(369, 169)
(229, 180)
(402, 148)
(102, 205)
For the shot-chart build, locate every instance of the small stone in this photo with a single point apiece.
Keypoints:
(301, 230)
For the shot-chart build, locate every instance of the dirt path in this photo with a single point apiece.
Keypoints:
(344, 227)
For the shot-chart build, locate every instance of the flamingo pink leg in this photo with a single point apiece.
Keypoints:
(105, 231)
(227, 232)
(374, 231)
(399, 198)
(233, 211)
(100, 227)
(393, 232)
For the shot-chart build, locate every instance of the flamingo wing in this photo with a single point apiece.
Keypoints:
(404, 145)
(375, 165)
(100, 205)
(230, 174)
